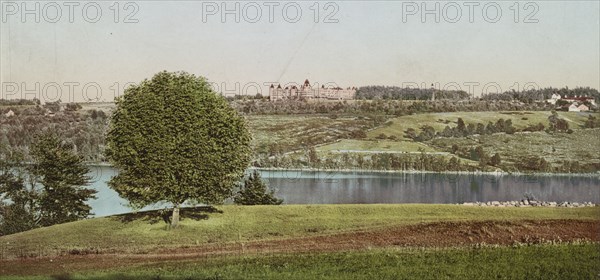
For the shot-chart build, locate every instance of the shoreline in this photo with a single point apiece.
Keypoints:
(495, 173)
(503, 173)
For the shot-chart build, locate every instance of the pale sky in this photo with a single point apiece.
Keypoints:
(554, 43)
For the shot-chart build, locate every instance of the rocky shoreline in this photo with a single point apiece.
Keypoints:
(530, 203)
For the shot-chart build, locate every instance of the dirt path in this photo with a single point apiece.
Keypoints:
(440, 234)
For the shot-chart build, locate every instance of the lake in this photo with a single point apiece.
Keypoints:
(337, 187)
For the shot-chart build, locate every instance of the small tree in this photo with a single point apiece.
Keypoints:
(73, 106)
(20, 214)
(495, 160)
(48, 191)
(255, 192)
(480, 129)
(53, 106)
(411, 133)
(455, 149)
(484, 161)
(461, 125)
(313, 157)
(555, 123)
(63, 175)
(358, 134)
(591, 122)
(427, 133)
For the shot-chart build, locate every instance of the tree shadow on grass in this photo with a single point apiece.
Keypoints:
(155, 216)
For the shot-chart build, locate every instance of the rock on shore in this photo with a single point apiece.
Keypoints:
(530, 203)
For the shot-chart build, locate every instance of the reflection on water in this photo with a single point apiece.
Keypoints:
(317, 187)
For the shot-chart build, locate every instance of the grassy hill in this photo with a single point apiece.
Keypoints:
(293, 132)
(573, 261)
(318, 242)
(145, 231)
(581, 146)
(439, 121)
(333, 135)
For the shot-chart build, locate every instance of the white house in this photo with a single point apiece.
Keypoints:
(574, 108)
(9, 114)
(555, 97)
(583, 108)
(580, 99)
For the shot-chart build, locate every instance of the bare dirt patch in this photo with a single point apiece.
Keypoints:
(439, 234)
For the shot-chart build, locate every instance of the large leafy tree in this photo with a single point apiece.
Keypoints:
(174, 140)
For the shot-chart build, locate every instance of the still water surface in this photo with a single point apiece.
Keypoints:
(332, 187)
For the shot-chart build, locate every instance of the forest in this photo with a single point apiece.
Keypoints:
(526, 96)
(84, 129)
(399, 93)
(378, 107)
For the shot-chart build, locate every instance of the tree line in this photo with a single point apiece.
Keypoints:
(360, 161)
(539, 95)
(460, 158)
(379, 107)
(85, 130)
(526, 96)
(399, 93)
(461, 130)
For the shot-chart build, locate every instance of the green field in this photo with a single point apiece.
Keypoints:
(440, 120)
(295, 132)
(350, 145)
(250, 223)
(583, 145)
(531, 262)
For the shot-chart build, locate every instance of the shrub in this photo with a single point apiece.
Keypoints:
(255, 192)
(382, 136)
(358, 134)
(73, 107)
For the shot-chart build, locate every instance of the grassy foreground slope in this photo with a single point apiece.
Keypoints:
(315, 242)
(581, 261)
(143, 233)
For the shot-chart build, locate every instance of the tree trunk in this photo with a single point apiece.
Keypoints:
(175, 218)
